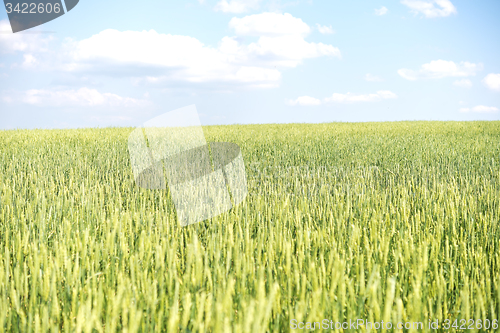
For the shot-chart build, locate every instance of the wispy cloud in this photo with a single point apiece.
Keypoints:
(354, 98)
(304, 101)
(381, 11)
(464, 83)
(438, 69)
(480, 109)
(325, 30)
(373, 78)
(269, 25)
(431, 8)
(83, 97)
(237, 6)
(343, 98)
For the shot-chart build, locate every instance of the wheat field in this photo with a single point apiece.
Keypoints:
(374, 221)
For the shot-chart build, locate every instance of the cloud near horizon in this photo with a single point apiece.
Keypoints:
(304, 101)
(480, 109)
(353, 98)
(343, 98)
(438, 69)
(83, 97)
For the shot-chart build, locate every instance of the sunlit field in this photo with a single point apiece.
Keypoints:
(374, 221)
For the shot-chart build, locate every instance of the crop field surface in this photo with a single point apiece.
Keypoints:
(393, 222)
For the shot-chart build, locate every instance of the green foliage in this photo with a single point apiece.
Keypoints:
(377, 221)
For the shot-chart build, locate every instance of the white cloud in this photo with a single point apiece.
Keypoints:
(431, 8)
(269, 25)
(107, 119)
(160, 58)
(5, 26)
(237, 6)
(492, 81)
(19, 42)
(373, 78)
(325, 30)
(353, 98)
(464, 83)
(29, 61)
(304, 101)
(288, 51)
(154, 58)
(343, 98)
(438, 69)
(480, 109)
(281, 40)
(381, 11)
(83, 97)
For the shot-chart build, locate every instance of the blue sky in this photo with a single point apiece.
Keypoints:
(120, 63)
